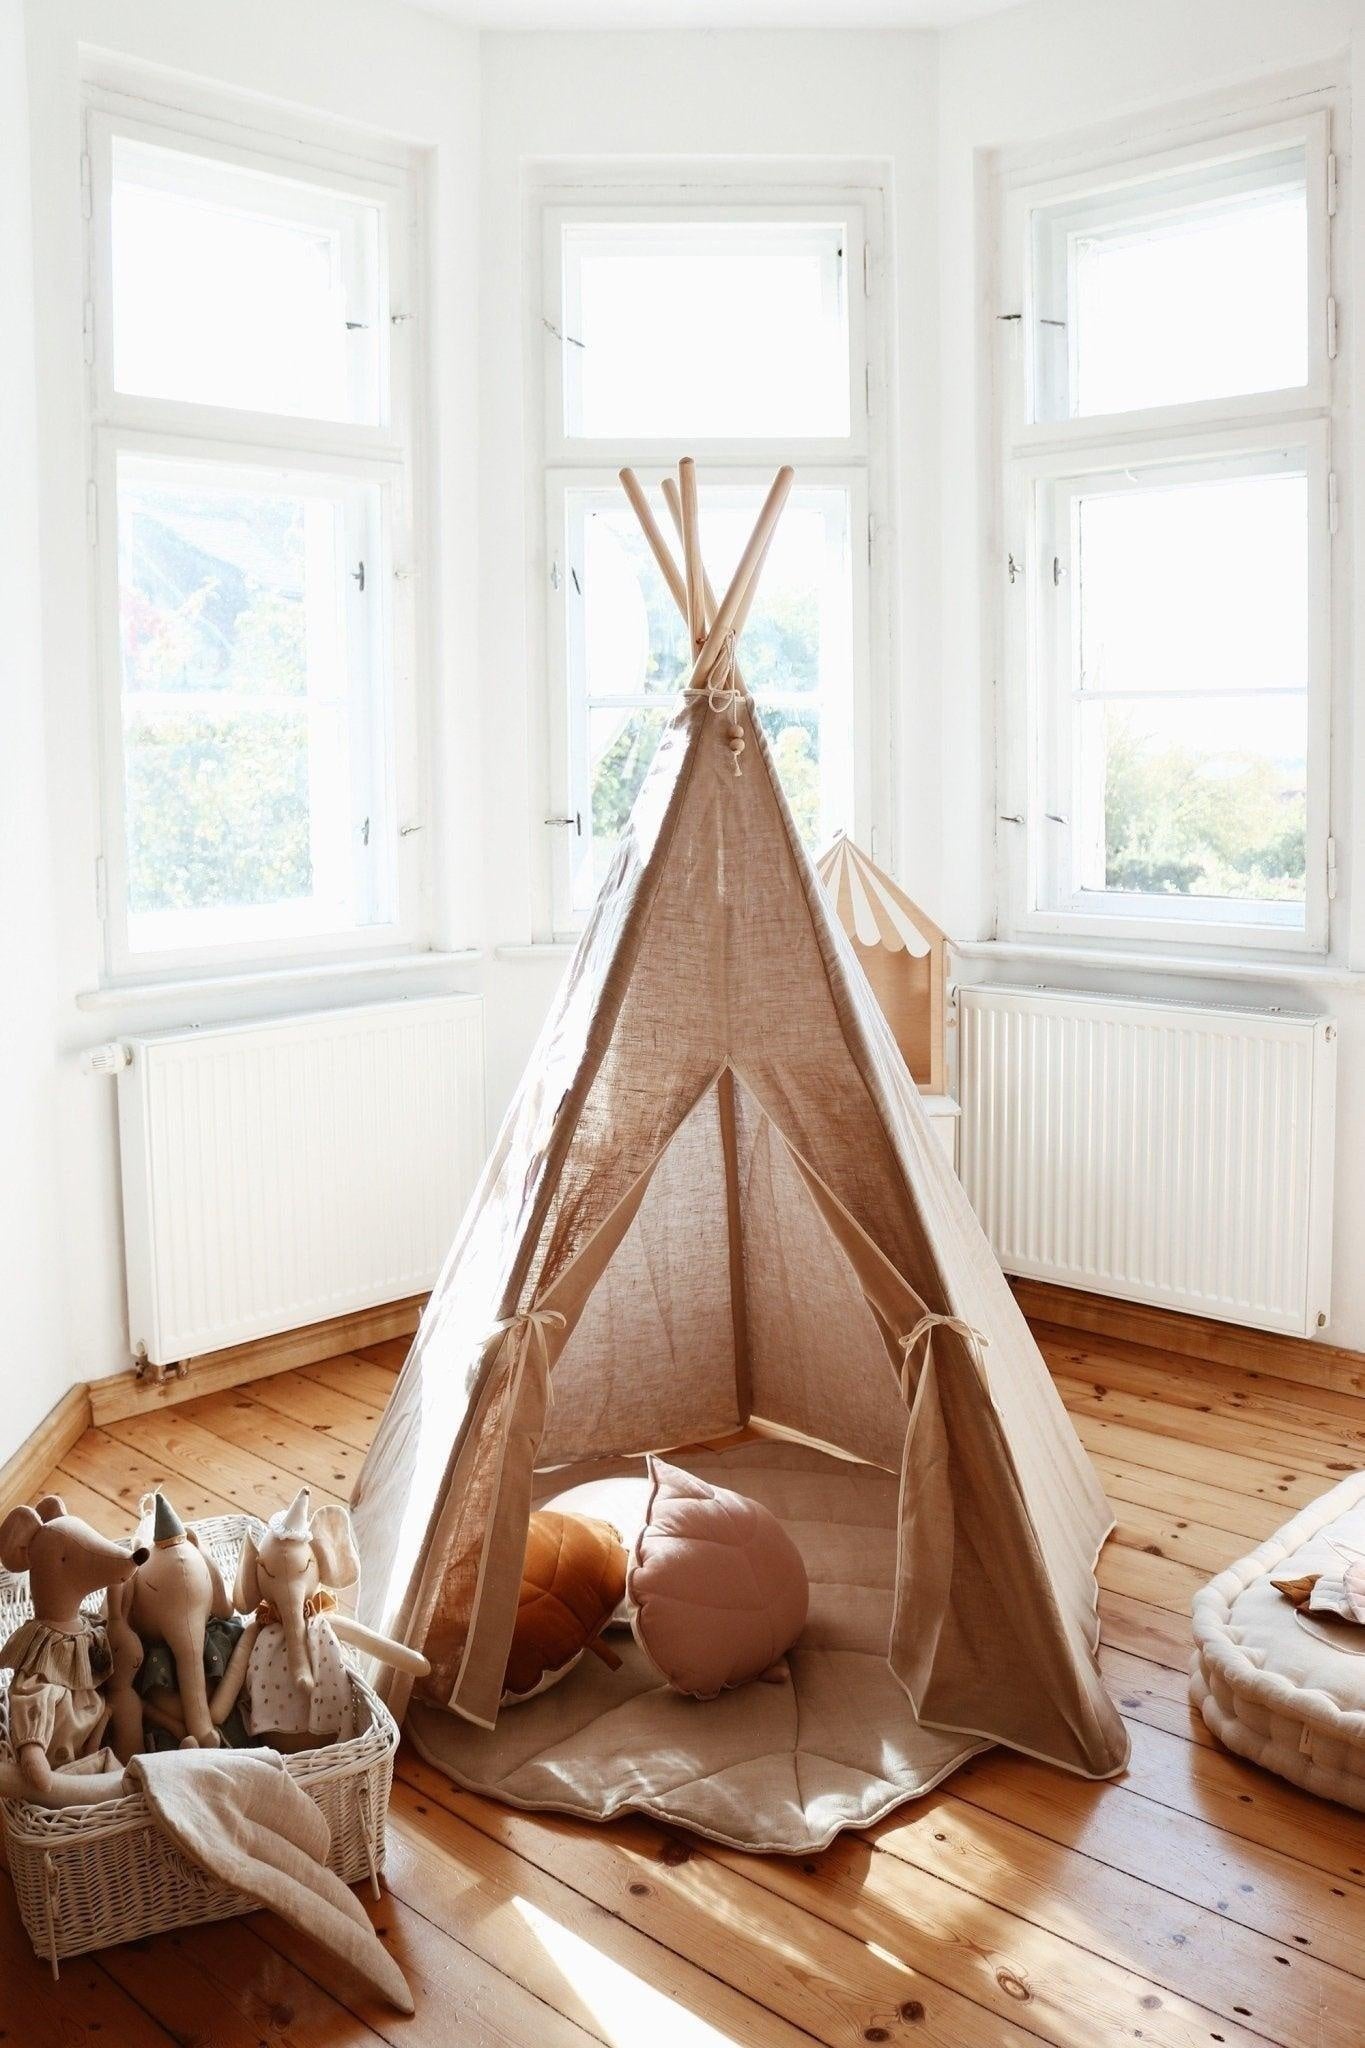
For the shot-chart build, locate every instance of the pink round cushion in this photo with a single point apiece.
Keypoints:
(718, 1587)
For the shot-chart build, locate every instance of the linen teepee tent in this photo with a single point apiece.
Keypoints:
(716, 1200)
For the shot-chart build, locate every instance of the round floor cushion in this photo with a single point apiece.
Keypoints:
(776, 1768)
(1280, 1686)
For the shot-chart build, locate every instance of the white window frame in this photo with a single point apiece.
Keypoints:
(1037, 458)
(854, 462)
(381, 456)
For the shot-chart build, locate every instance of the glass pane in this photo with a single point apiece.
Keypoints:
(626, 636)
(1195, 585)
(626, 644)
(707, 328)
(794, 736)
(217, 808)
(621, 745)
(799, 633)
(1190, 286)
(633, 637)
(1205, 797)
(248, 780)
(235, 288)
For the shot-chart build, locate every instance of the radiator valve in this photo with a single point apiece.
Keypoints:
(151, 1375)
(108, 1059)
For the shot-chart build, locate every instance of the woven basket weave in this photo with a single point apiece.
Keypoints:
(91, 1876)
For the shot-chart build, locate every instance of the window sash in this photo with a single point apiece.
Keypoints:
(569, 769)
(605, 193)
(709, 450)
(1039, 756)
(381, 706)
(379, 455)
(390, 191)
(1035, 456)
(1023, 433)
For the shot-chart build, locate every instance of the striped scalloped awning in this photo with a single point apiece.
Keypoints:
(870, 906)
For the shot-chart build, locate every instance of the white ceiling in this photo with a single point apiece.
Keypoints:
(654, 14)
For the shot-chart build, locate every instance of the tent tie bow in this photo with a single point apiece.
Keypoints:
(724, 695)
(529, 1332)
(974, 1339)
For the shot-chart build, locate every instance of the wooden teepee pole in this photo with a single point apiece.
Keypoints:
(658, 546)
(674, 504)
(689, 531)
(734, 606)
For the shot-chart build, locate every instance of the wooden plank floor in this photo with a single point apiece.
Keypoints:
(1194, 1901)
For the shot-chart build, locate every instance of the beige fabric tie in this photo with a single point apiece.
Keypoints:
(724, 695)
(530, 1330)
(974, 1339)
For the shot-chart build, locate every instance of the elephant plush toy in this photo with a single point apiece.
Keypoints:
(62, 1657)
(288, 1668)
(176, 1591)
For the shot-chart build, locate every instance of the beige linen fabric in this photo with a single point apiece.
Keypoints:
(243, 1819)
(719, 1175)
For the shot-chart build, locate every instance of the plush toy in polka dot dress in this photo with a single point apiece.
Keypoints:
(288, 1667)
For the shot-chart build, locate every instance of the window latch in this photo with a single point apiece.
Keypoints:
(560, 335)
(358, 575)
(564, 818)
(1011, 818)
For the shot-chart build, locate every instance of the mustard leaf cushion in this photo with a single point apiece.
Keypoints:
(622, 1501)
(572, 1578)
(719, 1589)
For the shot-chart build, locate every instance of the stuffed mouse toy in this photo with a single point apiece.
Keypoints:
(61, 1658)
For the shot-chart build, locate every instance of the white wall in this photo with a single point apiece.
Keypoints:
(925, 110)
(35, 1373)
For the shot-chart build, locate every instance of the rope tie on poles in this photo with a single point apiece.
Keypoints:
(724, 695)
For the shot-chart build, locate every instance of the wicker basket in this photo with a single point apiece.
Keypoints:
(88, 1877)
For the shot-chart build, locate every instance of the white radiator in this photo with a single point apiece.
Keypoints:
(280, 1173)
(1155, 1151)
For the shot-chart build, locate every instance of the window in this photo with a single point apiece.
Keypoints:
(1169, 508)
(737, 334)
(251, 509)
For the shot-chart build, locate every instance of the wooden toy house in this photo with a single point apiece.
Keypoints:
(902, 952)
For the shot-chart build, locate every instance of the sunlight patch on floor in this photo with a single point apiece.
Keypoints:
(624, 2009)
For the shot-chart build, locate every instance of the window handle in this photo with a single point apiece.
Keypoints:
(1011, 818)
(576, 820)
(1055, 816)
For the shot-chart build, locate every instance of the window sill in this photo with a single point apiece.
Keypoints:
(391, 966)
(538, 949)
(1192, 966)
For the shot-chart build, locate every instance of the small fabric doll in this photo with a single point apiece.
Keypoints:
(163, 1725)
(288, 1669)
(61, 1658)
